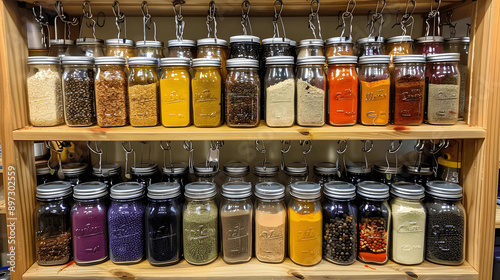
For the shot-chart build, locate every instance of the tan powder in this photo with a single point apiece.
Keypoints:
(143, 104)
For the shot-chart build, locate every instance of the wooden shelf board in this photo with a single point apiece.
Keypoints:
(251, 270)
(3, 209)
(497, 220)
(262, 132)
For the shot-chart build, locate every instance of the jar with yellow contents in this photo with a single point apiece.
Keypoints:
(120, 47)
(214, 48)
(175, 92)
(143, 91)
(206, 86)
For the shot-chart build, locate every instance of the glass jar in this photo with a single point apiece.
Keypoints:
(374, 222)
(175, 92)
(276, 47)
(408, 90)
(151, 49)
(207, 173)
(163, 224)
(305, 222)
(215, 49)
(429, 45)
(176, 172)
(445, 243)
(339, 223)
(311, 88)
(461, 46)
(244, 46)
(108, 173)
(88, 218)
(375, 87)
(121, 48)
(325, 172)
(418, 174)
(343, 90)
(206, 86)
(408, 223)
(338, 46)
(75, 173)
(357, 172)
(449, 170)
(387, 174)
(43, 175)
(368, 46)
(90, 47)
(242, 93)
(236, 171)
(311, 47)
(280, 91)
(443, 88)
(143, 91)
(398, 45)
(183, 48)
(145, 173)
(266, 172)
(45, 94)
(200, 223)
(61, 47)
(126, 223)
(78, 90)
(53, 223)
(236, 218)
(295, 172)
(111, 92)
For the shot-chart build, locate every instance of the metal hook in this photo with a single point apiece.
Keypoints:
(212, 18)
(367, 143)
(314, 14)
(306, 146)
(347, 15)
(393, 149)
(129, 149)
(383, 7)
(38, 17)
(145, 14)
(286, 145)
(179, 19)
(245, 17)
(419, 146)
(119, 19)
(97, 150)
(339, 149)
(43, 25)
(276, 16)
(257, 144)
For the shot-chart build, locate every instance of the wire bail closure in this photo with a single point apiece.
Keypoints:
(314, 15)
(406, 21)
(179, 19)
(347, 15)
(188, 146)
(278, 9)
(306, 148)
(341, 150)
(98, 152)
(245, 17)
(367, 147)
(286, 145)
(213, 156)
(62, 17)
(146, 20)
(166, 148)
(128, 150)
(435, 17)
(88, 17)
(119, 19)
(262, 151)
(393, 149)
(212, 21)
(376, 17)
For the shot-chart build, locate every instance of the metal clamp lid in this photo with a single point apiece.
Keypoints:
(74, 168)
(269, 190)
(444, 190)
(237, 190)
(236, 167)
(377, 59)
(280, 60)
(164, 190)
(343, 59)
(339, 190)
(325, 168)
(305, 190)
(52, 190)
(106, 169)
(314, 60)
(200, 190)
(90, 190)
(206, 62)
(374, 190)
(175, 61)
(128, 190)
(144, 168)
(242, 62)
(407, 190)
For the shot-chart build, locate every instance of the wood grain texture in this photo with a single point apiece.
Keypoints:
(497, 219)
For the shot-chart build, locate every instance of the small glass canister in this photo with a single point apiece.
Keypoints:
(43, 173)
(183, 48)
(295, 172)
(408, 223)
(111, 92)
(163, 221)
(398, 45)
(206, 86)
(266, 172)
(388, 172)
(75, 173)
(145, 173)
(338, 46)
(236, 218)
(311, 91)
(375, 88)
(236, 171)
(152, 49)
(200, 223)
(216, 49)
(339, 223)
(429, 45)
(280, 91)
(343, 90)
(175, 92)
(78, 90)
(368, 46)
(242, 93)
(449, 170)
(143, 91)
(90, 47)
(45, 93)
(358, 172)
(204, 172)
(88, 217)
(276, 47)
(325, 172)
(419, 174)
(374, 222)
(244, 46)
(61, 47)
(126, 223)
(461, 46)
(53, 223)
(443, 88)
(305, 223)
(445, 238)
(176, 172)
(121, 48)
(108, 173)
(311, 47)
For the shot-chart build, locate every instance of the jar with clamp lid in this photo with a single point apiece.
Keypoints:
(429, 45)
(215, 49)
(460, 45)
(45, 93)
(181, 48)
(295, 172)
(398, 45)
(206, 87)
(163, 222)
(310, 47)
(120, 47)
(370, 46)
(325, 172)
(343, 90)
(143, 91)
(175, 92)
(266, 172)
(145, 173)
(388, 173)
(108, 173)
(276, 47)
(126, 223)
(418, 173)
(236, 171)
(358, 172)
(88, 217)
(236, 218)
(43, 173)
(279, 84)
(338, 46)
(61, 47)
(244, 46)
(152, 49)
(311, 91)
(176, 172)
(75, 173)
(204, 172)
(53, 223)
(90, 47)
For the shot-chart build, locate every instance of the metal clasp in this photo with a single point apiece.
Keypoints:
(286, 145)
(62, 17)
(212, 20)
(341, 150)
(406, 20)
(179, 19)
(348, 14)
(376, 17)
(166, 148)
(119, 19)
(393, 149)
(98, 152)
(367, 147)
(278, 9)
(188, 146)
(306, 148)
(435, 16)
(245, 17)
(314, 15)
(262, 151)
(43, 24)
(146, 20)
(128, 150)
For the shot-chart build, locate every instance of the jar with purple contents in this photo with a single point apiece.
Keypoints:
(370, 46)
(146, 173)
(126, 223)
(429, 45)
(108, 173)
(88, 217)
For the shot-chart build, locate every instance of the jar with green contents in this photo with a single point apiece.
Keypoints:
(143, 91)
(175, 92)
(206, 87)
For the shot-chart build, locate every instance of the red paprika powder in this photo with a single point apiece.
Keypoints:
(343, 90)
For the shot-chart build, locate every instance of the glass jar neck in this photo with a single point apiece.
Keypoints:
(206, 199)
(90, 201)
(121, 200)
(163, 200)
(298, 199)
(60, 198)
(330, 198)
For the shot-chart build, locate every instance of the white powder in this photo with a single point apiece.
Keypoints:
(443, 102)
(310, 104)
(280, 104)
(45, 97)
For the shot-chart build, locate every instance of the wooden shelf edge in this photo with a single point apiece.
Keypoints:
(497, 220)
(251, 270)
(158, 133)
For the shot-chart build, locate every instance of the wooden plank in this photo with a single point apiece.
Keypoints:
(158, 133)
(497, 220)
(2, 201)
(251, 270)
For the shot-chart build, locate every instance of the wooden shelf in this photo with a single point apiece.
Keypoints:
(497, 220)
(3, 209)
(262, 132)
(252, 270)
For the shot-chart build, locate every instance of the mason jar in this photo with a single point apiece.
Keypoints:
(78, 90)
(244, 46)
(305, 223)
(236, 171)
(143, 91)
(61, 47)
(108, 173)
(279, 86)
(75, 173)
(88, 219)
(357, 172)
(206, 87)
(295, 172)
(446, 221)
(215, 49)
(311, 91)
(325, 172)
(339, 223)
(388, 173)
(53, 223)
(175, 92)
(443, 88)
(461, 46)
(163, 222)
(151, 49)
(311, 47)
(419, 174)
(398, 45)
(90, 47)
(200, 223)
(429, 45)
(337, 46)
(181, 48)
(126, 223)
(45, 93)
(374, 222)
(368, 46)
(266, 172)
(120, 47)
(176, 172)
(343, 90)
(43, 173)
(204, 172)
(111, 92)
(145, 173)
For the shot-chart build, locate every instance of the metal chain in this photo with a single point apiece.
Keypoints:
(212, 20)
(119, 19)
(146, 20)
(314, 15)
(179, 19)
(245, 17)
(43, 24)
(276, 17)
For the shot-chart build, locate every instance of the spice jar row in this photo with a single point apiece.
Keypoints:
(163, 228)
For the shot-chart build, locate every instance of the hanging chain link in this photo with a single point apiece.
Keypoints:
(393, 149)
(245, 17)
(89, 20)
(347, 15)
(376, 17)
(406, 21)
(179, 19)
(435, 17)
(212, 20)
(62, 17)
(43, 24)
(119, 19)
(314, 15)
(147, 20)
(278, 9)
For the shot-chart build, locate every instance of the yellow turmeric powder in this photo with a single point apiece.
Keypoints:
(305, 236)
(175, 96)
(374, 109)
(207, 96)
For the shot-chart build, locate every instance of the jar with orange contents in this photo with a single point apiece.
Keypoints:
(398, 45)
(343, 86)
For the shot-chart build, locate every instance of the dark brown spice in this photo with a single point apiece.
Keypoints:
(54, 250)
(408, 103)
(242, 101)
(79, 97)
